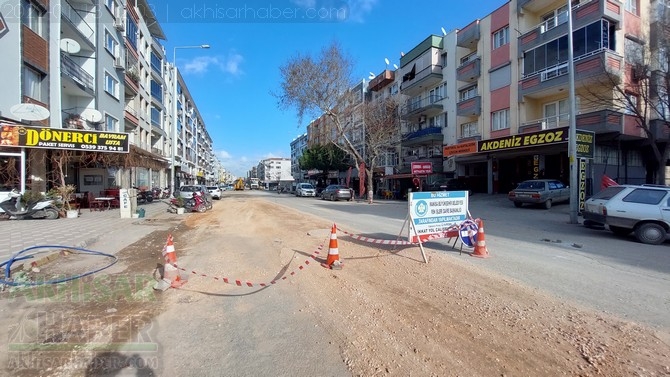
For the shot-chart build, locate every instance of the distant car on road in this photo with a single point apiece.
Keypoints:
(337, 192)
(644, 210)
(215, 191)
(305, 189)
(545, 192)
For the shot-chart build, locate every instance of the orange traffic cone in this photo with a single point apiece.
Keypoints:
(171, 273)
(333, 260)
(480, 246)
(168, 251)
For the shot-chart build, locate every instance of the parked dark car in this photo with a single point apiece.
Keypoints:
(337, 192)
(452, 184)
(540, 191)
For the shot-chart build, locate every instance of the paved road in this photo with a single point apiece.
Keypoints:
(538, 248)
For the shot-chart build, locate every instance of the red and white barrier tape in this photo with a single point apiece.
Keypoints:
(375, 240)
(241, 283)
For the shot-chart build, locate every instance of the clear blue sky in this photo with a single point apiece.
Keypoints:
(231, 82)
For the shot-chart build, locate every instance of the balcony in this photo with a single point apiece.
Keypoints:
(427, 106)
(430, 136)
(469, 71)
(78, 23)
(84, 83)
(469, 107)
(131, 87)
(583, 14)
(558, 121)
(415, 82)
(381, 80)
(157, 151)
(157, 130)
(468, 36)
(589, 69)
(132, 121)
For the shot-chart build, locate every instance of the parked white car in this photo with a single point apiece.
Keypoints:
(644, 210)
(215, 191)
(305, 189)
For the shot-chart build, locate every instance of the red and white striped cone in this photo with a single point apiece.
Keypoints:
(333, 260)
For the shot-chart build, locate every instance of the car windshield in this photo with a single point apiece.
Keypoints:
(306, 186)
(212, 188)
(189, 189)
(531, 185)
(608, 192)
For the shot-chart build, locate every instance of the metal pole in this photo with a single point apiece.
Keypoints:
(572, 131)
(174, 122)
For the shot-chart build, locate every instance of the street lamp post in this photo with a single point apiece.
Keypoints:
(572, 130)
(174, 113)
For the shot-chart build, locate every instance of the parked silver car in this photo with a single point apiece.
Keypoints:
(540, 191)
(305, 189)
(337, 192)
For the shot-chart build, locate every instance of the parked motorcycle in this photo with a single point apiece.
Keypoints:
(144, 196)
(41, 209)
(160, 193)
(196, 203)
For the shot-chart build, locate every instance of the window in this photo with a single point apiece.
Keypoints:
(156, 116)
(501, 37)
(111, 123)
(556, 17)
(556, 114)
(110, 43)
(131, 31)
(631, 6)
(469, 129)
(554, 54)
(500, 120)
(157, 90)
(631, 104)
(468, 58)
(435, 121)
(467, 93)
(437, 93)
(34, 84)
(33, 17)
(111, 85)
(111, 5)
(634, 52)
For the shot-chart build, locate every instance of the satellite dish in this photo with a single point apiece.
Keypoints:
(395, 66)
(372, 75)
(387, 61)
(69, 45)
(402, 53)
(29, 111)
(91, 115)
(444, 32)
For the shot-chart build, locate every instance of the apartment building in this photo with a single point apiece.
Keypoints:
(274, 172)
(298, 146)
(514, 92)
(93, 69)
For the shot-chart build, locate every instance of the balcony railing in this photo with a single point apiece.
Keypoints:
(561, 120)
(75, 19)
(76, 73)
(423, 132)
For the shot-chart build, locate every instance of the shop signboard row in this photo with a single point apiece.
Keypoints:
(15, 135)
(585, 142)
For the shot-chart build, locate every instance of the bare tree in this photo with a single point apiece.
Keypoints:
(322, 86)
(641, 93)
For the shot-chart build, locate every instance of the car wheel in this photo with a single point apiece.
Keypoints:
(650, 233)
(547, 204)
(518, 204)
(620, 231)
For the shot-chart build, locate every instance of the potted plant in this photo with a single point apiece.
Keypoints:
(180, 203)
(65, 194)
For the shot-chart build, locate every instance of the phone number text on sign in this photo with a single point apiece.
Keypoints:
(432, 213)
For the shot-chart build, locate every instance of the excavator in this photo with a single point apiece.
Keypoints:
(239, 184)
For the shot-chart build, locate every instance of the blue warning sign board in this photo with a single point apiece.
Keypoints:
(467, 232)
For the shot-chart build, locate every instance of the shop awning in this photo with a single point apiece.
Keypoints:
(399, 176)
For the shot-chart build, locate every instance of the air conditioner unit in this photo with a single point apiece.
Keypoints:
(118, 63)
(120, 21)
